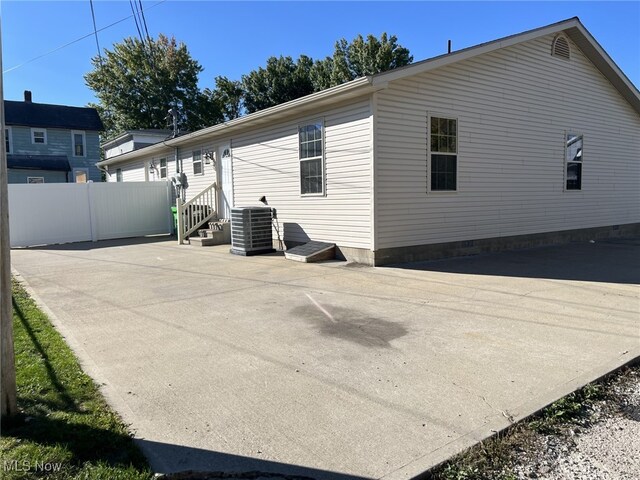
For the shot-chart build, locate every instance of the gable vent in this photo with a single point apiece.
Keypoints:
(560, 47)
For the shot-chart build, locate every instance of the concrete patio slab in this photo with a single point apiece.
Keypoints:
(230, 363)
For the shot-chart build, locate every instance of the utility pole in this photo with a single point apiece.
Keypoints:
(8, 404)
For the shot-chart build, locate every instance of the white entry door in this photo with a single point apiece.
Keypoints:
(226, 181)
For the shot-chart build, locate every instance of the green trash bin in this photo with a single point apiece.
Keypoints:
(174, 211)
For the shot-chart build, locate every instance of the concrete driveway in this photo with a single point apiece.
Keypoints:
(230, 363)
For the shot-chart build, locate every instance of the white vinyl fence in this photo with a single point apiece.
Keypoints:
(44, 214)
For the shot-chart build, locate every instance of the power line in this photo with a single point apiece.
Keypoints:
(95, 30)
(144, 21)
(74, 41)
(135, 19)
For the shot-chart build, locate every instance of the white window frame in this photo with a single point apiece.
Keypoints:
(37, 180)
(119, 177)
(194, 162)
(8, 138)
(322, 157)
(430, 116)
(33, 138)
(567, 162)
(73, 143)
(161, 168)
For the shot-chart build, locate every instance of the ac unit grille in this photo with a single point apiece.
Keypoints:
(251, 231)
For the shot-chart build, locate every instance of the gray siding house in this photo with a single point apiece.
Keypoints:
(526, 140)
(51, 143)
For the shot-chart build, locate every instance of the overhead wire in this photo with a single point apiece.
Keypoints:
(95, 31)
(134, 11)
(144, 21)
(38, 57)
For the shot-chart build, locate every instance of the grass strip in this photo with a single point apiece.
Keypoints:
(65, 429)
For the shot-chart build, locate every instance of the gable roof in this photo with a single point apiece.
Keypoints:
(43, 115)
(572, 27)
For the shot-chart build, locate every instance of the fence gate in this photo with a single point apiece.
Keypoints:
(44, 214)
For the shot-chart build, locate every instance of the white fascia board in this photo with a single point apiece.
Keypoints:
(352, 89)
(470, 52)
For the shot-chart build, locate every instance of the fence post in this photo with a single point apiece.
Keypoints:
(93, 224)
(180, 220)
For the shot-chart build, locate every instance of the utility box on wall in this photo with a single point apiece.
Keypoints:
(251, 231)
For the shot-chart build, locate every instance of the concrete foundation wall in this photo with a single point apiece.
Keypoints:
(487, 245)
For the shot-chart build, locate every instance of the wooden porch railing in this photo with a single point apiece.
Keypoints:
(200, 209)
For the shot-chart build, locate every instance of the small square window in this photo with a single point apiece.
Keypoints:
(38, 136)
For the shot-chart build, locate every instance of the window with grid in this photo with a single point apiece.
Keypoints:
(38, 136)
(573, 157)
(197, 162)
(163, 168)
(311, 153)
(443, 148)
(78, 144)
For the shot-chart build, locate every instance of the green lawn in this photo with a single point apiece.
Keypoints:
(65, 430)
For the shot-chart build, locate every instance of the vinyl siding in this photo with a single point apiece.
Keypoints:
(17, 175)
(513, 107)
(196, 183)
(59, 143)
(266, 162)
(131, 172)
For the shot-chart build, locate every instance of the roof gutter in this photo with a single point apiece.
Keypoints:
(355, 87)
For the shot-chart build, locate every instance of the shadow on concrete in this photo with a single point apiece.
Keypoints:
(119, 242)
(611, 261)
(198, 464)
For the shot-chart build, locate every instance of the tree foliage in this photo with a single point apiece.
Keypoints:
(137, 82)
(280, 81)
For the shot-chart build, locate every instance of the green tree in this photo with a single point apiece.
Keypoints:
(280, 81)
(367, 57)
(137, 82)
(226, 97)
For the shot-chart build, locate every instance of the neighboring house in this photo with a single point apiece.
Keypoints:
(526, 140)
(51, 143)
(133, 140)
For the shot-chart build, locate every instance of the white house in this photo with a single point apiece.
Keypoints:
(133, 140)
(525, 140)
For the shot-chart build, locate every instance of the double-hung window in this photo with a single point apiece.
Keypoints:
(163, 168)
(197, 162)
(311, 154)
(573, 156)
(39, 135)
(443, 150)
(78, 143)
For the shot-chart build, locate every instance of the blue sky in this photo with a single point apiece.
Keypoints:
(232, 38)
